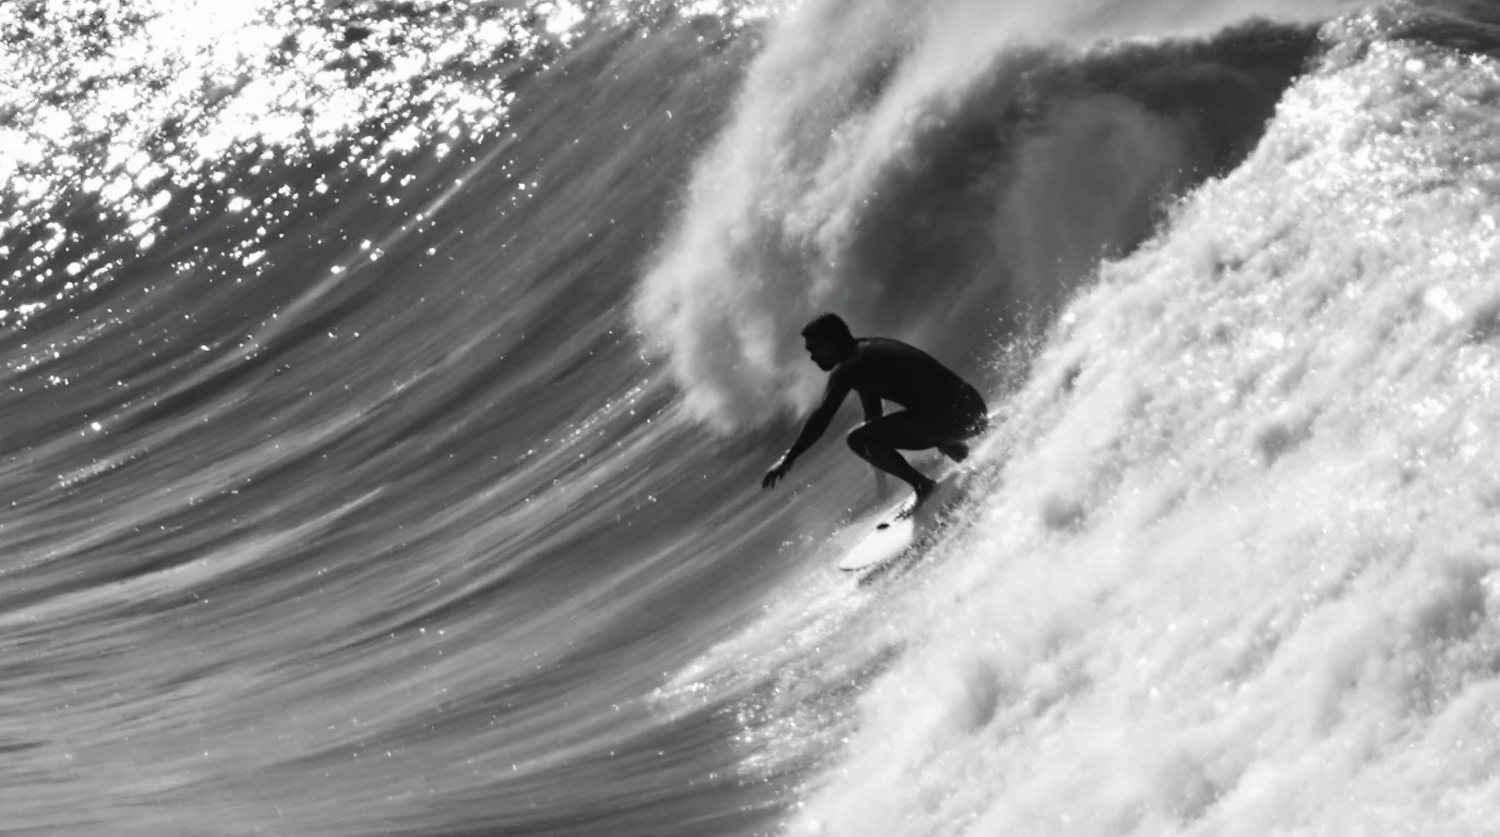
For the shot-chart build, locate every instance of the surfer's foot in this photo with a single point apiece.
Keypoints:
(923, 491)
(958, 451)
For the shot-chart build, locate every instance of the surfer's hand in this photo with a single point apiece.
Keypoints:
(777, 471)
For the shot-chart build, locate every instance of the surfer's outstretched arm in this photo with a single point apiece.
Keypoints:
(816, 426)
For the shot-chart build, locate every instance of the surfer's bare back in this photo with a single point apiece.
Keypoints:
(942, 409)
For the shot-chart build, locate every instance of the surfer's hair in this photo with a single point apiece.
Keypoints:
(830, 327)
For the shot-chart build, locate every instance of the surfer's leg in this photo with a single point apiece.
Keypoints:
(956, 451)
(968, 420)
(878, 442)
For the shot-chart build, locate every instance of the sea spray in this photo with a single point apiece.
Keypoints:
(1267, 608)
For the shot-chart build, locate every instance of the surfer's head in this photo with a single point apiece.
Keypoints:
(828, 340)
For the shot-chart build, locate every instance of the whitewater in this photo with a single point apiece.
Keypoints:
(387, 388)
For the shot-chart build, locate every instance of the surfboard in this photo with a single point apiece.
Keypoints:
(893, 535)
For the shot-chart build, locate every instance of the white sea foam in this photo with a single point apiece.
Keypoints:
(1237, 576)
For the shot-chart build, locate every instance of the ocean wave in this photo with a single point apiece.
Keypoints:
(1234, 576)
(937, 194)
(352, 504)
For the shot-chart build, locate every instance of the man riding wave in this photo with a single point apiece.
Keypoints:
(941, 409)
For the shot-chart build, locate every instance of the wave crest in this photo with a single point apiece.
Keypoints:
(866, 171)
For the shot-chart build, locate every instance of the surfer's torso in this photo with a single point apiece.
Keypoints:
(903, 374)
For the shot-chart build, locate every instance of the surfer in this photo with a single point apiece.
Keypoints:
(942, 409)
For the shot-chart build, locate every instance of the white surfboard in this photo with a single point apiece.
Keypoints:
(892, 536)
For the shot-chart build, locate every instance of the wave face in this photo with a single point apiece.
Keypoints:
(335, 490)
(387, 386)
(1237, 572)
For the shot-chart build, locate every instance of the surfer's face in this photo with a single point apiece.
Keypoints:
(824, 353)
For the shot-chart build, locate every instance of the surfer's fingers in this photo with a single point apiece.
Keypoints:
(773, 476)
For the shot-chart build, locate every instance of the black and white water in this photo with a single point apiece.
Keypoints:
(386, 388)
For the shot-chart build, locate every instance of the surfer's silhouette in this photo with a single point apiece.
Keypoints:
(942, 409)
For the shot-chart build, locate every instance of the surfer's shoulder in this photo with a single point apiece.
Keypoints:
(876, 346)
(865, 348)
(883, 348)
(870, 356)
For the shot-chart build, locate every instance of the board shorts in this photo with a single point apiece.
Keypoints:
(973, 417)
(923, 429)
